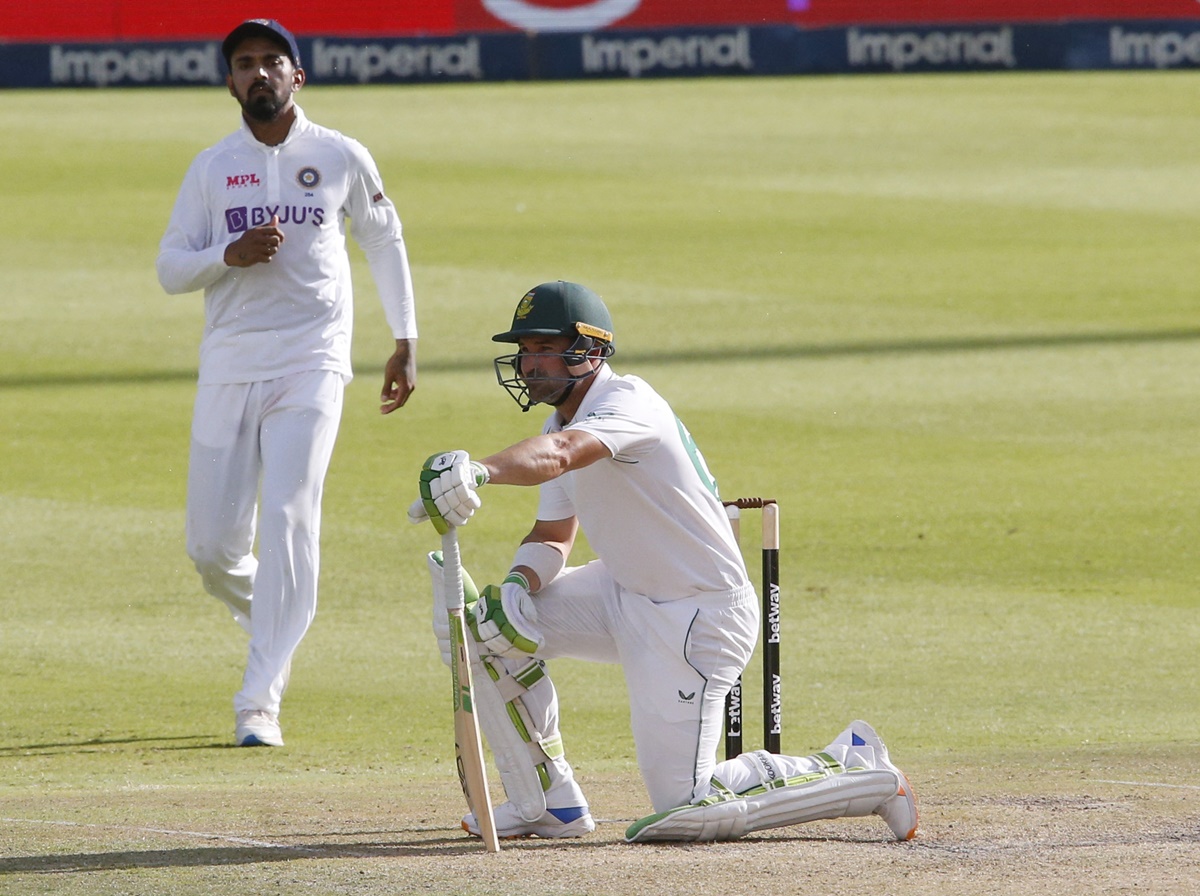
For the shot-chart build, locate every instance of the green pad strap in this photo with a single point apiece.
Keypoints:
(829, 762)
(531, 674)
(553, 747)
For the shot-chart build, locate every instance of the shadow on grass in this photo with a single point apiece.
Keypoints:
(716, 354)
(948, 345)
(210, 741)
(197, 857)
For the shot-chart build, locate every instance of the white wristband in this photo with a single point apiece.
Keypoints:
(546, 562)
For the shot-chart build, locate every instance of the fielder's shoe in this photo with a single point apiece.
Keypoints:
(866, 748)
(571, 821)
(257, 728)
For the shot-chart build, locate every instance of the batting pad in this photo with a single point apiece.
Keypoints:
(727, 816)
(510, 745)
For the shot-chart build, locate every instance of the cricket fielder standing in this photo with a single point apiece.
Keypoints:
(668, 598)
(260, 226)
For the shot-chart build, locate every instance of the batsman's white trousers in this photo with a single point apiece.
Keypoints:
(276, 436)
(679, 658)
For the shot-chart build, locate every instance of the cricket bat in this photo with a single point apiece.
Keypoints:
(468, 745)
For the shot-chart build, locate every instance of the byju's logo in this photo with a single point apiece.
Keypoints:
(581, 17)
(241, 218)
(237, 219)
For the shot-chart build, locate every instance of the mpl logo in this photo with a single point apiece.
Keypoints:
(580, 16)
(234, 181)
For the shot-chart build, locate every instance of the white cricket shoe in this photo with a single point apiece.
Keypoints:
(257, 728)
(867, 748)
(573, 820)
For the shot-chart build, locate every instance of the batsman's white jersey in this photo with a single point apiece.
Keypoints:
(651, 513)
(294, 314)
(669, 598)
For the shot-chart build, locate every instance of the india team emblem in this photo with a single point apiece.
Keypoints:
(308, 177)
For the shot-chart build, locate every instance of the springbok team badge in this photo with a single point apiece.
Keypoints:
(525, 306)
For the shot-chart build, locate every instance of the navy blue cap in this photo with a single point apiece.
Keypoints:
(267, 28)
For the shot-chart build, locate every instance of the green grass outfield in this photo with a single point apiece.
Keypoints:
(950, 323)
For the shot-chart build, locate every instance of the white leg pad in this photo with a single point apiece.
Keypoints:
(727, 816)
(512, 753)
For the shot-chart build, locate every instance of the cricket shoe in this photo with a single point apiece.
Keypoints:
(555, 823)
(867, 749)
(257, 728)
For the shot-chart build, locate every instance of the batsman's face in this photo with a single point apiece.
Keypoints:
(263, 79)
(542, 368)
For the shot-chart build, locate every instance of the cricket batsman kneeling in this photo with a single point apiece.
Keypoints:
(668, 598)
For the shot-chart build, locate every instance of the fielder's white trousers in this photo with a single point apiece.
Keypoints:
(679, 658)
(275, 436)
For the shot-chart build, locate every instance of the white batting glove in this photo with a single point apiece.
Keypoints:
(417, 513)
(503, 620)
(448, 484)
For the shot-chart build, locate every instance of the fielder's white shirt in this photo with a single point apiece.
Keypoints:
(650, 512)
(294, 314)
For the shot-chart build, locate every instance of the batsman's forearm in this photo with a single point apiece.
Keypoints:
(542, 458)
(529, 462)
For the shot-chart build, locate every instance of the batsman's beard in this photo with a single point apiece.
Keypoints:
(549, 391)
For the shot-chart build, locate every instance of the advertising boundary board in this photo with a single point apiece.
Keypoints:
(619, 53)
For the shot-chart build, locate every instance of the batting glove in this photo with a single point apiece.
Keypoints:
(448, 484)
(503, 619)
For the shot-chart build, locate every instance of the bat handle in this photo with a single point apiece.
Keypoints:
(452, 570)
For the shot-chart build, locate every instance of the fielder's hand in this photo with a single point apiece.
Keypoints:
(399, 376)
(257, 245)
(448, 484)
(503, 619)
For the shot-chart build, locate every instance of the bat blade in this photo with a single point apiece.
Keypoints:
(468, 744)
